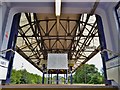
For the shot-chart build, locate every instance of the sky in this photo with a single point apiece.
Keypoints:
(20, 63)
(97, 61)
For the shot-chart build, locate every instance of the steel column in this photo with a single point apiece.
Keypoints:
(43, 74)
(48, 78)
(43, 77)
(51, 78)
(64, 79)
(118, 5)
(11, 45)
(57, 82)
(71, 81)
(103, 45)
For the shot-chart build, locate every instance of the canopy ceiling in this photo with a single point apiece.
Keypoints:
(43, 33)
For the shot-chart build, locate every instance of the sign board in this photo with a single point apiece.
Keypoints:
(57, 61)
(3, 68)
(115, 62)
(113, 69)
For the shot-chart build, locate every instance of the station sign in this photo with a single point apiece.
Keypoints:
(57, 61)
(113, 63)
(3, 68)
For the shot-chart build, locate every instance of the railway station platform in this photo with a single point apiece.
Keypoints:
(57, 87)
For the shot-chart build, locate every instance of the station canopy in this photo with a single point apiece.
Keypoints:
(43, 33)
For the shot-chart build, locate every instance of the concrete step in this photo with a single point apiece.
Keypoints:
(57, 87)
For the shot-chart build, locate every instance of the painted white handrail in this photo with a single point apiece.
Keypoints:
(7, 50)
(111, 52)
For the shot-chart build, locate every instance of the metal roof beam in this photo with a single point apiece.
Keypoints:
(27, 58)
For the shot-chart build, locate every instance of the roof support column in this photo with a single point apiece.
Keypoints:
(43, 77)
(51, 78)
(102, 44)
(57, 79)
(71, 81)
(64, 79)
(48, 78)
(11, 45)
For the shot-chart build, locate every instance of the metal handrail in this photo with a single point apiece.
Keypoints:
(111, 52)
(6, 50)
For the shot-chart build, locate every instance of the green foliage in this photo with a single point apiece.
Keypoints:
(60, 78)
(88, 74)
(15, 77)
(24, 77)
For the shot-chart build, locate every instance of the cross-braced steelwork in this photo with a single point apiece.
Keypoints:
(40, 34)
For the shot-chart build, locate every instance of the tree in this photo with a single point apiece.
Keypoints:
(15, 77)
(88, 74)
(24, 77)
